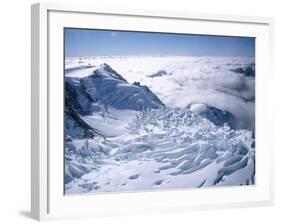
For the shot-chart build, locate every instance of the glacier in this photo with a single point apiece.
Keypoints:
(160, 122)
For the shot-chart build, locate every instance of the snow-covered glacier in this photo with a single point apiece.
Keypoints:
(158, 122)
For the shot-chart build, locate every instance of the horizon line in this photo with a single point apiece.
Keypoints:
(160, 55)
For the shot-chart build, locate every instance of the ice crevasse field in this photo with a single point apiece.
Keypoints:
(153, 122)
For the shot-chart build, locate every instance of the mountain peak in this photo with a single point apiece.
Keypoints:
(106, 71)
(106, 88)
(213, 114)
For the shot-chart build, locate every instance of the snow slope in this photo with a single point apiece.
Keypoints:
(164, 148)
(122, 137)
(104, 97)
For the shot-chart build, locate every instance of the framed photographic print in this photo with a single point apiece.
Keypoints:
(147, 111)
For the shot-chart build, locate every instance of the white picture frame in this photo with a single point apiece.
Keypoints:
(47, 198)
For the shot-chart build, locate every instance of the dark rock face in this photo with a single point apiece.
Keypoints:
(77, 97)
(158, 74)
(74, 126)
(248, 71)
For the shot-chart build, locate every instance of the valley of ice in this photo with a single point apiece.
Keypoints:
(158, 122)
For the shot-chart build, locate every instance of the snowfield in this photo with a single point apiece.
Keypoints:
(158, 122)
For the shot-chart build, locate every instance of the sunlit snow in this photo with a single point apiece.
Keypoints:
(158, 122)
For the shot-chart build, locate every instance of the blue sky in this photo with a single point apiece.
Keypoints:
(86, 42)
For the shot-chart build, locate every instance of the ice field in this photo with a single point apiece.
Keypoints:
(158, 122)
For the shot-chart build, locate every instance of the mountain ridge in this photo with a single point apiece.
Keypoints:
(104, 88)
